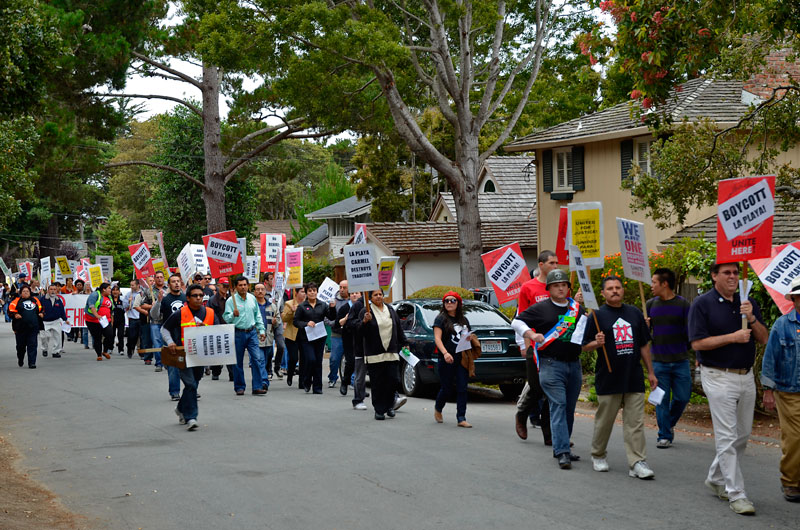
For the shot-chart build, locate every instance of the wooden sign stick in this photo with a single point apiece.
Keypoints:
(365, 294)
(641, 296)
(597, 324)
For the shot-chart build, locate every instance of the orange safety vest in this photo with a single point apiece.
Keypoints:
(187, 319)
(12, 307)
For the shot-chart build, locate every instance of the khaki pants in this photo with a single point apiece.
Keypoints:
(789, 413)
(632, 425)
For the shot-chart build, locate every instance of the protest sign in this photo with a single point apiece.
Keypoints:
(272, 246)
(86, 262)
(160, 238)
(585, 231)
(386, 268)
(73, 266)
(561, 239)
(209, 345)
(327, 291)
(778, 271)
(45, 271)
(584, 281)
(361, 268)
(360, 237)
(186, 263)
(294, 267)
(57, 276)
(223, 251)
(745, 215)
(507, 271)
(142, 260)
(633, 249)
(278, 286)
(74, 307)
(158, 266)
(107, 263)
(63, 266)
(95, 275)
(26, 268)
(200, 258)
(82, 273)
(251, 268)
(6, 271)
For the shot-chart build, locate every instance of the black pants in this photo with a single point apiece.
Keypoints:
(119, 331)
(27, 341)
(134, 330)
(537, 396)
(292, 349)
(313, 352)
(383, 378)
(102, 337)
(277, 352)
(349, 360)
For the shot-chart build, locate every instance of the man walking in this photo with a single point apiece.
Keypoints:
(157, 293)
(342, 298)
(241, 310)
(162, 309)
(217, 304)
(133, 315)
(269, 313)
(726, 353)
(624, 333)
(668, 321)
(54, 315)
(348, 339)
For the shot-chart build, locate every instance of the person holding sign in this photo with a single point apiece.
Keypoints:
(53, 315)
(308, 316)
(290, 333)
(551, 324)
(726, 354)
(241, 310)
(191, 314)
(449, 328)
(99, 319)
(624, 332)
(383, 337)
(26, 312)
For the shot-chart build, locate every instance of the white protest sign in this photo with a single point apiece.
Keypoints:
(141, 257)
(200, 258)
(186, 263)
(783, 268)
(73, 267)
(46, 271)
(327, 291)
(360, 267)
(160, 238)
(223, 250)
(107, 264)
(58, 276)
(633, 249)
(209, 345)
(5, 269)
(746, 210)
(360, 237)
(506, 269)
(584, 281)
(251, 268)
(278, 283)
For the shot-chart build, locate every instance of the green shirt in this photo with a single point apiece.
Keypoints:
(249, 315)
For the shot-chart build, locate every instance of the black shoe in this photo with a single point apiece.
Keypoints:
(366, 394)
(215, 378)
(564, 461)
(130, 356)
(316, 391)
(289, 380)
(56, 356)
(379, 416)
(572, 457)
(20, 362)
(548, 441)
(44, 354)
(390, 413)
(308, 389)
(343, 390)
(31, 366)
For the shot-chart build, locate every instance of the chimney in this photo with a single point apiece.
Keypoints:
(776, 72)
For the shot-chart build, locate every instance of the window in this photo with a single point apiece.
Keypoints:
(405, 312)
(341, 227)
(563, 170)
(642, 155)
(488, 186)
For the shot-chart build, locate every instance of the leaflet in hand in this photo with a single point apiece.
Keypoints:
(409, 357)
(104, 321)
(317, 332)
(656, 395)
(464, 342)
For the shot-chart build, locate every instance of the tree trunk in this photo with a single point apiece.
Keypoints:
(214, 194)
(465, 195)
(49, 243)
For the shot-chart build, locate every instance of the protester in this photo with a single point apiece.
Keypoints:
(26, 311)
(551, 323)
(119, 319)
(142, 304)
(290, 334)
(68, 287)
(217, 304)
(191, 314)
(279, 344)
(269, 312)
(342, 298)
(241, 310)
(53, 315)
(448, 328)
(162, 309)
(99, 311)
(348, 338)
(668, 321)
(623, 331)
(383, 337)
(726, 353)
(134, 327)
(780, 377)
(310, 314)
(157, 292)
(359, 367)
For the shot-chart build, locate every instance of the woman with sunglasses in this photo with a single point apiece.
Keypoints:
(448, 328)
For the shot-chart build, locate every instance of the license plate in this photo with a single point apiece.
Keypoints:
(492, 346)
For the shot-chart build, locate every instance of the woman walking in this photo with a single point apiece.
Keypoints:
(290, 334)
(99, 306)
(26, 314)
(383, 337)
(308, 315)
(448, 328)
(119, 320)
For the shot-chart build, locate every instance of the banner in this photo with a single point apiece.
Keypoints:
(584, 280)
(74, 306)
(633, 248)
(107, 263)
(142, 260)
(585, 223)
(95, 275)
(160, 239)
(45, 271)
(223, 251)
(209, 345)
(745, 215)
(327, 291)
(561, 240)
(186, 263)
(778, 271)
(252, 269)
(200, 258)
(386, 268)
(360, 237)
(63, 266)
(272, 247)
(507, 271)
(294, 267)
(361, 268)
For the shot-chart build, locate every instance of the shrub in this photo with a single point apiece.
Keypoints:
(509, 311)
(316, 269)
(437, 292)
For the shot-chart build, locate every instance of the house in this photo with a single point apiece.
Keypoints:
(339, 220)
(589, 158)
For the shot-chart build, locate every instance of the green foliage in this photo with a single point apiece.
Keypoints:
(130, 187)
(438, 291)
(332, 188)
(18, 139)
(113, 240)
(317, 269)
(509, 311)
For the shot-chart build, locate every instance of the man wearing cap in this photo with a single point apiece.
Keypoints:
(217, 304)
(780, 377)
(550, 324)
(726, 353)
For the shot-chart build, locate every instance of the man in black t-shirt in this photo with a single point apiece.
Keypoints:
(163, 309)
(624, 333)
(551, 324)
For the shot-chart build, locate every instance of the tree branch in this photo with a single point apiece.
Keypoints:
(265, 130)
(193, 108)
(229, 171)
(157, 166)
(166, 68)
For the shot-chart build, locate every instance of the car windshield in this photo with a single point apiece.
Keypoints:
(478, 315)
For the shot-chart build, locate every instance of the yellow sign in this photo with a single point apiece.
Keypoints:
(294, 267)
(586, 232)
(63, 266)
(158, 265)
(386, 267)
(95, 275)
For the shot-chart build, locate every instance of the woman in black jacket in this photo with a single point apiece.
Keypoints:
(311, 313)
(383, 338)
(26, 313)
(119, 319)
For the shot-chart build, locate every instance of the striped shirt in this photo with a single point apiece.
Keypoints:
(669, 328)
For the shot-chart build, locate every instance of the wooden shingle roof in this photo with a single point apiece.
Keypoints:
(429, 237)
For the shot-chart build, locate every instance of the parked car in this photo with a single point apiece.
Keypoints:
(487, 294)
(500, 363)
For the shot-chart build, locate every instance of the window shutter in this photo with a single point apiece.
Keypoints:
(626, 158)
(547, 170)
(578, 180)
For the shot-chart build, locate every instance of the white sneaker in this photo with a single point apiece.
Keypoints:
(181, 419)
(743, 507)
(191, 425)
(641, 470)
(599, 464)
(360, 406)
(717, 489)
(399, 402)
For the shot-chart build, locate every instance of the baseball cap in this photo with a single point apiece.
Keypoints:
(224, 280)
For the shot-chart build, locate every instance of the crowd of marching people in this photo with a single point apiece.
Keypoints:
(280, 333)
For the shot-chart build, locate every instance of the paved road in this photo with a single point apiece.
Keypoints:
(103, 436)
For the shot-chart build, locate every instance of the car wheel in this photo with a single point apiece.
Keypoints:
(511, 391)
(410, 381)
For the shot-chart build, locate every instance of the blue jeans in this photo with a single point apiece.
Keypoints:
(266, 352)
(156, 342)
(188, 402)
(248, 341)
(85, 337)
(677, 379)
(561, 383)
(449, 373)
(174, 376)
(337, 350)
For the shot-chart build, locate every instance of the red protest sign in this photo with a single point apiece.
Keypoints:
(745, 214)
(507, 271)
(777, 272)
(224, 254)
(142, 260)
(272, 249)
(561, 240)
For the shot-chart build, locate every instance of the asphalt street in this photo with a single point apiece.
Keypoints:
(103, 436)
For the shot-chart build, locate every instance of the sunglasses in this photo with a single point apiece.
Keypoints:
(451, 301)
